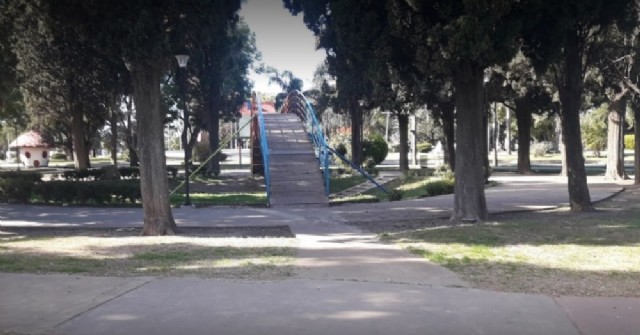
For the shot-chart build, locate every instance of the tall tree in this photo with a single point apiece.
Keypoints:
(61, 73)
(461, 39)
(145, 35)
(349, 41)
(562, 37)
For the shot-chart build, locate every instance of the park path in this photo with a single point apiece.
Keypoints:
(347, 281)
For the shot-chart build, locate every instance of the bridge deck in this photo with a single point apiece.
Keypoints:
(296, 178)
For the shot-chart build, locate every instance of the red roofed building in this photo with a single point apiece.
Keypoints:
(34, 152)
(267, 107)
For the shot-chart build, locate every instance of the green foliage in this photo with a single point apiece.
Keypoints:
(439, 187)
(16, 186)
(341, 149)
(594, 130)
(394, 195)
(92, 192)
(375, 149)
(59, 156)
(424, 147)
(629, 141)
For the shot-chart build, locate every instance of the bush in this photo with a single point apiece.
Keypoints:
(375, 149)
(629, 141)
(540, 149)
(443, 172)
(424, 147)
(59, 156)
(129, 172)
(394, 195)
(341, 149)
(17, 186)
(439, 187)
(93, 192)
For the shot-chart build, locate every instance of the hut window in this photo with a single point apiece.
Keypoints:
(27, 154)
(44, 154)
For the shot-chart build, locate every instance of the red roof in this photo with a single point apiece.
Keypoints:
(30, 139)
(267, 107)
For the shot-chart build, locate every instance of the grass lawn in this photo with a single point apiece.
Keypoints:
(222, 199)
(555, 252)
(117, 253)
(342, 182)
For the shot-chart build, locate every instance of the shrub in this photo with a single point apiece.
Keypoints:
(394, 195)
(629, 141)
(540, 149)
(424, 147)
(94, 192)
(376, 149)
(341, 149)
(129, 172)
(443, 172)
(59, 156)
(17, 186)
(439, 187)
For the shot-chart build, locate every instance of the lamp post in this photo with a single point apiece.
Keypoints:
(182, 63)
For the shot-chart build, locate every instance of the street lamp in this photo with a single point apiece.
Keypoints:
(182, 63)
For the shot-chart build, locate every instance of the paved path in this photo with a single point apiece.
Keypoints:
(347, 282)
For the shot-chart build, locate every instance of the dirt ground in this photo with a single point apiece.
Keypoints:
(223, 184)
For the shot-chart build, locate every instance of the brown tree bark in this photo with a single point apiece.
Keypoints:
(636, 146)
(403, 127)
(80, 148)
(213, 128)
(524, 122)
(469, 199)
(132, 137)
(615, 138)
(356, 132)
(570, 89)
(113, 141)
(158, 219)
(448, 130)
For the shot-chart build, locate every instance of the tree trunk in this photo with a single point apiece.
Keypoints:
(132, 137)
(524, 122)
(213, 128)
(615, 138)
(154, 186)
(113, 141)
(403, 127)
(636, 146)
(485, 137)
(571, 97)
(469, 199)
(81, 151)
(448, 130)
(356, 132)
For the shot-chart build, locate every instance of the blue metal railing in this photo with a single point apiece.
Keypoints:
(264, 148)
(359, 169)
(297, 103)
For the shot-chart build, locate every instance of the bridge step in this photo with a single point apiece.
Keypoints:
(296, 179)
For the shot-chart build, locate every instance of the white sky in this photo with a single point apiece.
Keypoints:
(284, 41)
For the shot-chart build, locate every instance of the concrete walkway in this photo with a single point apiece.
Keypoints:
(346, 282)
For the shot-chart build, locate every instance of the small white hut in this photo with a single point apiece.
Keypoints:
(33, 151)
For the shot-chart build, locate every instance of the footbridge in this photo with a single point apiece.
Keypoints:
(290, 149)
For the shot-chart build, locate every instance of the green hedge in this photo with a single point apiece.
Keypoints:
(91, 192)
(439, 187)
(16, 186)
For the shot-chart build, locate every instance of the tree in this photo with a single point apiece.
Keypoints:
(461, 39)
(58, 72)
(145, 35)
(348, 40)
(222, 49)
(518, 87)
(562, 37)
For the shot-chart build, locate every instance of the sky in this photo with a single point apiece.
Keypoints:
(284, 41)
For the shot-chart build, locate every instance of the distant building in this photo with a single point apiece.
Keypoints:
(33, 151)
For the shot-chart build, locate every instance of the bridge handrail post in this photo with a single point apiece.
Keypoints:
(264, 148)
